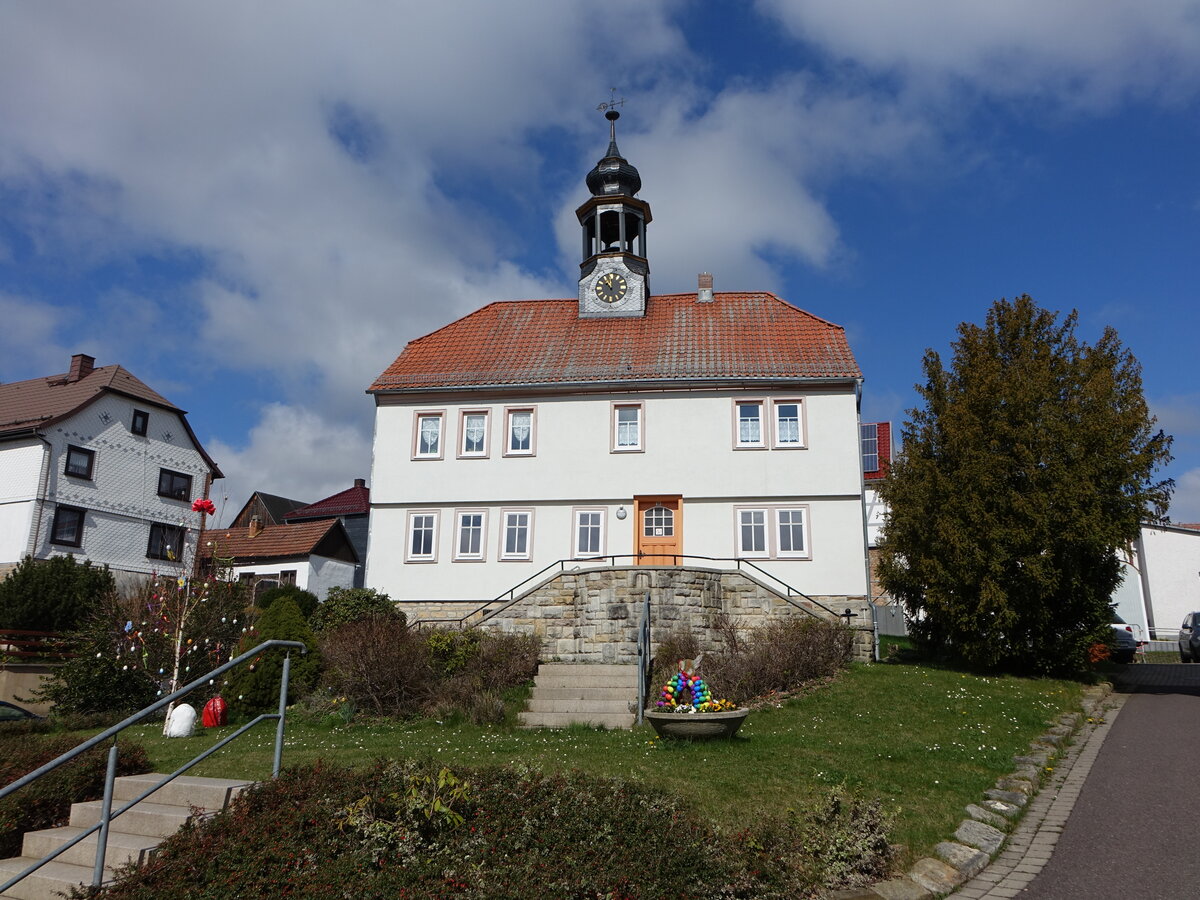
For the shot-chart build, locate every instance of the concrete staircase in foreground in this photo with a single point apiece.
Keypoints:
(582, 694)
(131, 836)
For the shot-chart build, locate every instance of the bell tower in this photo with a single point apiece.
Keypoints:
(614, 275)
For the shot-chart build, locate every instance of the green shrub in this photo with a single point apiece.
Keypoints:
(409, 830)
(379, 665)
(342, 606)
(840, 843)
(450, 650)
(781, 655)
(102, 678)
(56, 594)
(254, 687)
(306, 601)
(47, 801)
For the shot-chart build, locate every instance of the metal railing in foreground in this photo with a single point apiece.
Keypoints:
(645, 659)
(488, 609)
(107, 813)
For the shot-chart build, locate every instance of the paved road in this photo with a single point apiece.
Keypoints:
(1135, 830)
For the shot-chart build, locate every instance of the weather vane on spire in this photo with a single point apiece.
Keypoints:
(612, 103)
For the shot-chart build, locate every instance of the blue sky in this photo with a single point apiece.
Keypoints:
(253, 207)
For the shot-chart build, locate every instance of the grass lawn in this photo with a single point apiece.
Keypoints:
(926, 740)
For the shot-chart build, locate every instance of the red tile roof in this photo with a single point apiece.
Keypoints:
(883, 434)
(350, 502)
(545, 342)
(273, 541)
(31, 406)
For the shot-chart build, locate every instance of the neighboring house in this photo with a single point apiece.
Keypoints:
(269, 508)
(619, 425)
(876, 454)
(95, 463)
(352, 507)
(314, 555)
(1162, 579)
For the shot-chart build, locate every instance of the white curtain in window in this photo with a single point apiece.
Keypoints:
(749, 424)
(431, 428)
(522, 426)
(789, 423)
(476, 427)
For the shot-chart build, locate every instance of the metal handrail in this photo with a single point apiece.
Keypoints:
(106, 812)
(645, 661)
(611, 560)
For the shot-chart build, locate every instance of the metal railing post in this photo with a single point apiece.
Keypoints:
(283, 694)
(110, 776)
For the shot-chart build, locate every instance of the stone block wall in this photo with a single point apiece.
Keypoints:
(593, 615)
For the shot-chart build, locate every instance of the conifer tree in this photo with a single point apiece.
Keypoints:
(1023, 476)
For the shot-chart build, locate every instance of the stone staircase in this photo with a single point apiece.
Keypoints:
(582, 694)
(130, 837)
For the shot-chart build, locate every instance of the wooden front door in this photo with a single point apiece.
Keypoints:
(659, 525)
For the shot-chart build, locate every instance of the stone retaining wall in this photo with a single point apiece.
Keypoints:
(593, 615)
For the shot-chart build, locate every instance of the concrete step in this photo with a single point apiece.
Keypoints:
(612, 682)
(122, 848)
(140, 829)
(209, 794)
(574, 692)
(537, 703)
(53, 881)
(152, 819)
(564, 720)
(590, 668)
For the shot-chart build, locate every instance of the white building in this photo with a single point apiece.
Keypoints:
(1162, 580)
(618, 427)
(95, 463)
(314, 556)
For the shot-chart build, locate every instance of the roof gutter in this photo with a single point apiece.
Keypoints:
(625, 385)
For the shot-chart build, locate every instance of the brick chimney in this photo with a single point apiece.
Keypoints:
(81, 366)
(360, 482)
(704, 288)
(255, 526)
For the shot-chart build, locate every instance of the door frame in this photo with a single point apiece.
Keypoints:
(643, 502)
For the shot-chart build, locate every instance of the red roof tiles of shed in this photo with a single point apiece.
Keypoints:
(353, 501)
(533, 342)
(273, 541)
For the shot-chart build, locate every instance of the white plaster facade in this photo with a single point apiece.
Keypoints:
(689, 448)
(1168, 574)
(120, 500)
(315, 574)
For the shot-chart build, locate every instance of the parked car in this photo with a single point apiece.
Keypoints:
(1127, 642)
(10, 712)
(1189, 638)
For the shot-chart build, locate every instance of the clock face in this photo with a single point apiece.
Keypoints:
(611, 287)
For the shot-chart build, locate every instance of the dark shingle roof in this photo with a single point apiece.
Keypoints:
(42, 401)
(545, 342)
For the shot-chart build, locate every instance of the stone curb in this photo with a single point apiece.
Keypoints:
(992, 823)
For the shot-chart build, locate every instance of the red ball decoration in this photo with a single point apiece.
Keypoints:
(215, 714)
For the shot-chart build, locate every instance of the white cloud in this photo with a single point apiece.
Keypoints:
(291, 452)
(1185, 502)
(1072, 52)
(734, 187)
(1178, 415)
(300, 156)
(28, 344)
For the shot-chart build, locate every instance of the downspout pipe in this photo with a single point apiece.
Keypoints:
(862, 507)
(40, 498)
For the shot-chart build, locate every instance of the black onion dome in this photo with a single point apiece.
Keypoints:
(613, 174)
